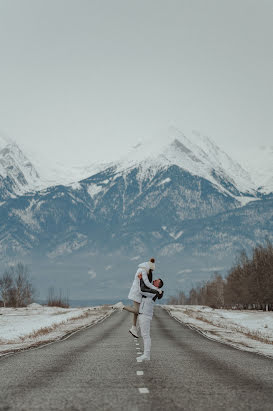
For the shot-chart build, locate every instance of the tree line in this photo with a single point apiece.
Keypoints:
(16, 289)
(248, 284)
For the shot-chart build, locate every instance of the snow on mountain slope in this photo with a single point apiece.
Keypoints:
(259, 162)
(53, 174)
(194, 153)
(190, 151)
(17, 174)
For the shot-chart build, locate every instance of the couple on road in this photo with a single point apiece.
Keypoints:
(144, 292)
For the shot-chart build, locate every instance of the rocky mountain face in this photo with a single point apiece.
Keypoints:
(17, 174)
(186, 203)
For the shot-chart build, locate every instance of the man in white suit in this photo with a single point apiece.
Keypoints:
(146, 309)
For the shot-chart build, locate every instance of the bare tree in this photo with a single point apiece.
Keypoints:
(182, 299)
(6, 283)
(57, 301)
(17, 287)
(23, 287)
(249, 284)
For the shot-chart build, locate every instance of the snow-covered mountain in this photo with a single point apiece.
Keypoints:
(180, 198)
(17, 173)
(190, 151)
(259, 163)
(156, 188)
(195, 154)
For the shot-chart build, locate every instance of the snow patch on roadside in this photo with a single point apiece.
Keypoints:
(246, 330)
(22, 328)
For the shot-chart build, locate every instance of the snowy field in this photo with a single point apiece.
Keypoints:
(245, 330)
(21, 328)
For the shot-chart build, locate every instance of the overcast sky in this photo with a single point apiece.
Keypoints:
(85, 79)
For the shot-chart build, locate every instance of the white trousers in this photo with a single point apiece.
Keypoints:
(145, 326)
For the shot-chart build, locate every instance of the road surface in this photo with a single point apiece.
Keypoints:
(96, 369)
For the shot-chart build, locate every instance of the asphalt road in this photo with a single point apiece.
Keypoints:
(96, 369)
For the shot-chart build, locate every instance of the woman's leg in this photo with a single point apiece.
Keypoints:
(130, 309)
(133, 310)
(136, 305)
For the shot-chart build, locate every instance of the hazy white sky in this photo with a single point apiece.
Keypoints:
(84, 79)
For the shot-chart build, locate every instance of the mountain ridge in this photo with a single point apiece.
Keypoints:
(194, 152)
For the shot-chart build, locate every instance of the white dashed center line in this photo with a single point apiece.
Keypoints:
(143, 390)
(140, 372)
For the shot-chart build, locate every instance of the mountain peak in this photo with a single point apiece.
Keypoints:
(182, 149)
(16, 171)
(193, 152)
